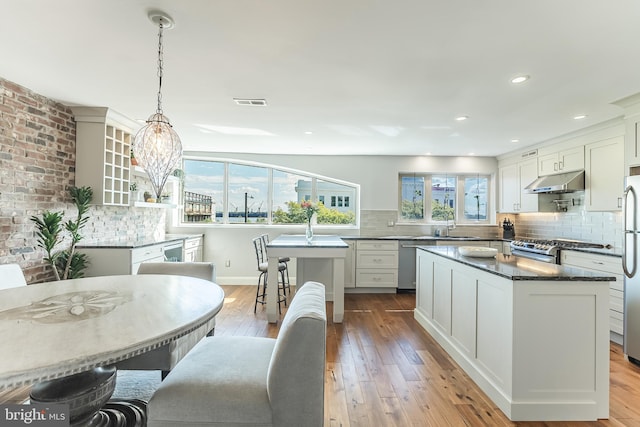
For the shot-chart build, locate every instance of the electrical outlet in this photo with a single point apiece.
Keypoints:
(227, 263)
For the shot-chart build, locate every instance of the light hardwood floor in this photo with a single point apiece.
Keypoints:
(384, 370)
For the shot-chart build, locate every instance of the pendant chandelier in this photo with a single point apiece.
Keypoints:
(157, 146)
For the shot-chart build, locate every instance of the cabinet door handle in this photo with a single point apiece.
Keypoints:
(555, 166)
(620, 202)
(560, 165)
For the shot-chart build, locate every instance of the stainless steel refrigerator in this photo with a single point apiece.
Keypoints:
(630, 259)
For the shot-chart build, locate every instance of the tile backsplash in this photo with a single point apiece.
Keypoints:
(376, 223)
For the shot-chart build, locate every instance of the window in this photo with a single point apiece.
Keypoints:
(459, 198)
(237, 193)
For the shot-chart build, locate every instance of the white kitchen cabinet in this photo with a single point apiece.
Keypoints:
(500, 330)
(103, 144)
(193, 247)
(603, 264)
(376, 264)
(571, 159)
(631, 105)
(604, 174)
(512, 180)
(105, 261)
(350, 265)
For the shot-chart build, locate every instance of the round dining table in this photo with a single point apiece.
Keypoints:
(56, 331)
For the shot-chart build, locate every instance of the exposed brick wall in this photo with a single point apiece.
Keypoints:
(37, 167)
(37, 160)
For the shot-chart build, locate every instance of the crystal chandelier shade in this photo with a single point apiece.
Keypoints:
(157, 146)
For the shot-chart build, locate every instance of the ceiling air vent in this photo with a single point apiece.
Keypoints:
(251, 102)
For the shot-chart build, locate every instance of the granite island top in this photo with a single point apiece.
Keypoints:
(517, 268)
(136, 242)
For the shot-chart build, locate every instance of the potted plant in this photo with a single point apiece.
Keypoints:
(67, 263)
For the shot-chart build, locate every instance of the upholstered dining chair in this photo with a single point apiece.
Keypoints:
(236, 381)
(167, 356)
(11, 276)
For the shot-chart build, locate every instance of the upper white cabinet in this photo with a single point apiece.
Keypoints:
(568, 160)
(103, 150)
(604, 174)
(631, 104)
(512, 180)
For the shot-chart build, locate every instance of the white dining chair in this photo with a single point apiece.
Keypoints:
(166, 357)
(12, 276)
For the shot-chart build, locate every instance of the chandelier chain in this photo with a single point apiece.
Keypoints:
(160, 67)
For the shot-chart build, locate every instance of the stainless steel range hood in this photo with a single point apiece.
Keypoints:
(560, 183)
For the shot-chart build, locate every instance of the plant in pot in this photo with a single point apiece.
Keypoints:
(66, 263)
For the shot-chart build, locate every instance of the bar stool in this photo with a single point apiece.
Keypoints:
(261, 257)
(284, 259)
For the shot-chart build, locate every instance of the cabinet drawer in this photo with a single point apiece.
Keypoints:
(377, 278)
(377, 245)
(192, 243)
(616, 300)
(377, 259)
(616, 322)
(147, 253)
(608, 264)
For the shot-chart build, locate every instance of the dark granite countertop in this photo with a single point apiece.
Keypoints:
(518, 268)
(136, 243)
(426, 238)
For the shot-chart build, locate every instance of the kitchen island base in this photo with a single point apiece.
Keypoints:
(538, 348)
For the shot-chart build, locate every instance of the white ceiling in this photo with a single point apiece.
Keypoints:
(364, 76)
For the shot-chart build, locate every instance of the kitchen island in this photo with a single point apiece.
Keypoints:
(533, 336)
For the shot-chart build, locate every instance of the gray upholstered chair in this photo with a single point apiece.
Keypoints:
(252, 381)
(166, 357)
(11, 276)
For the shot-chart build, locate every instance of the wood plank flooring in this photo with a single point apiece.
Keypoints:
(384, 370)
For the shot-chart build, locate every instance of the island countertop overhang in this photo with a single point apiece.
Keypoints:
(518, 268)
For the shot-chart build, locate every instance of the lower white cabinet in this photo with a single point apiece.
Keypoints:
(376, 264)
(538, 348)
(107, 261)
(350, 265)
(603, 264)
(193, 249)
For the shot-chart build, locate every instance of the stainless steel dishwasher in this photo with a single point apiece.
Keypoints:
(407, 264)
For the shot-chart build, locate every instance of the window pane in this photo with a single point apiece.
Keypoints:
(338, 212)
(288, 191)
(475, 198)
(412, 197)
(443, 198)
(203, 191)
(248, 193)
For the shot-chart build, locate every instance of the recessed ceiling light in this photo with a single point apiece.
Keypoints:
(462, 118)
(308, 132)
(519, 79)
(515, 140)
(580, 117)
(472, 154)
(428, 153)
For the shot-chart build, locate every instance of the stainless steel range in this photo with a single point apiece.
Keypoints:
(548, 250)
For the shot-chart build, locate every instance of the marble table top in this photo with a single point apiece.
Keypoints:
(50, 330)
(300, 241)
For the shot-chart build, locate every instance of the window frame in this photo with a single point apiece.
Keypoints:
(178, 215)
(427, 198)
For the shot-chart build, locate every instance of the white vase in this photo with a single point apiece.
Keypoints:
(309, 232)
